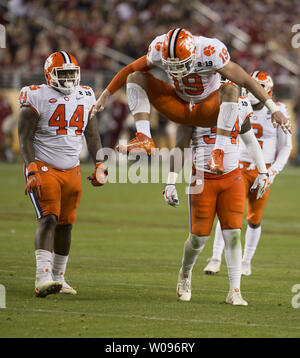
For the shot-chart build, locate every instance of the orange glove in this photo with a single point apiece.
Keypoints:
(98, 178)
(34, 184)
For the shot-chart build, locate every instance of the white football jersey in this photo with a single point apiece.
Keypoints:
(61, 124)
(203, 141)
(269, 138)
(211, 55)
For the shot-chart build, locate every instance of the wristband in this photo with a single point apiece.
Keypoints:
(271, 106)
(172, 176)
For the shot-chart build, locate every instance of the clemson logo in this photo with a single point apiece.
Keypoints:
(209, 50)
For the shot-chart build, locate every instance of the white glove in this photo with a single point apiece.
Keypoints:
(170, 195)
(261, 183)
(272, 174)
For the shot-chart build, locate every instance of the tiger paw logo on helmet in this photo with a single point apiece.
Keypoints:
(209, 50)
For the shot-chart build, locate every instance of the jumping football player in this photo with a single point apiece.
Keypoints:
(194, 97)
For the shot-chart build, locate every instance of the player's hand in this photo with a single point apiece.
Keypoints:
(278, 119)
(170, 195)
(261, 183)
(272, 174)
(98, 178)
(101, 103)
(34, 183)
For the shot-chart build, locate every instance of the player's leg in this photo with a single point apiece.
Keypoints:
(255, 211)
(202, 213)
(47, 209)
(214, 263)
(139, 106)
(228, 99)
(45, 284)
(192, 249)
(70, 199)
(230, 209)
(62, 245)
(143, 89)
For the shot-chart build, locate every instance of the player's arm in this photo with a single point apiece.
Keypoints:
(248, 137)
(238, 75)
(26, 128)
(93, 141)
(183, 137)
(141, 64)
(284, 147)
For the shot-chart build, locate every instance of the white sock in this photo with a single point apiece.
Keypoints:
(59, 264)
(143, 126)
(43, 261)
(233, 256)
(251, 241)
(192, 248)
(218, 243)
(226, 120)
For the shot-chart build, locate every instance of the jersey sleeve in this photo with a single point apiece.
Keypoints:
(29, 98)
(217, 53)
(154, 50)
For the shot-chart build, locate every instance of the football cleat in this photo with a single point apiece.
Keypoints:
(184, 288)
(235, 298)
(66, 288)
(212, 267)
(246, 268)
(215, 163)
(137, 145)
(46, 286)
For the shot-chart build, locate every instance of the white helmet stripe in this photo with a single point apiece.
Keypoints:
(66, 57)
(172, 43)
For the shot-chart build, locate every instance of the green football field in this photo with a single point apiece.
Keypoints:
(125, 256)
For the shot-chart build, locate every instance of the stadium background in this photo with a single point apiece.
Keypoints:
(127, 242)
(106, 35)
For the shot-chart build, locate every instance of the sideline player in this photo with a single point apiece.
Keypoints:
(53, 119)
(194, 65)
(223, 195)
(276, 147)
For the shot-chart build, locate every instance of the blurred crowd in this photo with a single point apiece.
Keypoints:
(36, 28)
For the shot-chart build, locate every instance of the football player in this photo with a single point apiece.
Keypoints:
(194, 97)
(53, 119)
(213, 194)
(276, 147)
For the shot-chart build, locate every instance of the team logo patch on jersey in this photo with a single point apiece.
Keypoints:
(52, 100)
(44, 169)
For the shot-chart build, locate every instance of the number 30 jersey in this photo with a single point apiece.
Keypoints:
(62, 120)
(211, 55)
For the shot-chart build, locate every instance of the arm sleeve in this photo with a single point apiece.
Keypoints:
(284, 147)
(120, 78)
(254, 150)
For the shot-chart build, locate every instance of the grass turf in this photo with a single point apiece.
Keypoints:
(125, 256)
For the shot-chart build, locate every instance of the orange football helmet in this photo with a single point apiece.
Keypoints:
(62, 72)
(178, 52)
(265, 81)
